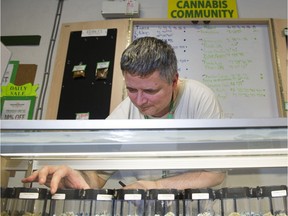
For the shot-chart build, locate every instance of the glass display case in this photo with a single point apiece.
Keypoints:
(253, 152)
(153, 144)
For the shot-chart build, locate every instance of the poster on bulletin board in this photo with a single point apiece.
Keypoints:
(202, 9)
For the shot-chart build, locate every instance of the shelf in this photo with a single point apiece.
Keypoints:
(153, 144)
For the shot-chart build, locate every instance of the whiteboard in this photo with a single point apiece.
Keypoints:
(234, 60)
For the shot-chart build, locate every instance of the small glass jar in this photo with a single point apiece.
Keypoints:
(29, 201)
(6, 200)
(129, 202)
(67, 202)
(217, 207)
(234, 201)
(162, 202)
(254, 202)
(273, 200)
(98, 202)
(181, 202)
(199, 202)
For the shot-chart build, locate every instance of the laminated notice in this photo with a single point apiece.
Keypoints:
(94, 32)
(132, 197)
(279, 193)
(166, 197)
(200, 196)
(59, 196)
(28, 195)
(104, 197)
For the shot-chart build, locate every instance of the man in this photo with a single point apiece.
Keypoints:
(149, 67)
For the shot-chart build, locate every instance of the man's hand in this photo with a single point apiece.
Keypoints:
(58, 177)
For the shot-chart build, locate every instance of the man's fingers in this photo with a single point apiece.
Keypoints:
(32, 178)
(58, 174)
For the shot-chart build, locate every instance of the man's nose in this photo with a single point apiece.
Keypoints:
(140, 99)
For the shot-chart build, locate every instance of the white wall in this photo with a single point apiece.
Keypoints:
(36, 17)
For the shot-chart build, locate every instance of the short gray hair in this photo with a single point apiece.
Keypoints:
(146, 55)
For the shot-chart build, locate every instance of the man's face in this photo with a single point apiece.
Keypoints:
(151, 94)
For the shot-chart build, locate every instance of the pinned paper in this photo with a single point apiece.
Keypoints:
(82, 116)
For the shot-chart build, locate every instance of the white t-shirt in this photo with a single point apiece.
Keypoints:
(194, 101)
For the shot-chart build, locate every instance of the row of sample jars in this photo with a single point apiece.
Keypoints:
(268, 200)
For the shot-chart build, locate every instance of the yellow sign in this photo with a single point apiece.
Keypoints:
(23, 90)
(202, 9)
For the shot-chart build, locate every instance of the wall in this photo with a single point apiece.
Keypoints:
(36, 17)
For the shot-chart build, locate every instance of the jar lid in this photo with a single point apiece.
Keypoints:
(197, 194)
(130, 194)
(7, 192)
(253, 192)
(272, 191)
(30, 193)
(99, 194)
(163, 194)
(68, 194)
(240, 192)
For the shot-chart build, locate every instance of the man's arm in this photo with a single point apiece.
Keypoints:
(202, 179)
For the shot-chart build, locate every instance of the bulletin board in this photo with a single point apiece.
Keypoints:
(68, 96)
(235, 58)
(86, 88)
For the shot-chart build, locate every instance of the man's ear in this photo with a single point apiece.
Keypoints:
(175, 79)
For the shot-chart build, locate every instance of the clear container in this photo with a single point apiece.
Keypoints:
(6, 200)
(181, 203)
(279, 199)
(254, 202)
(27, 201)
(67, 202)
(217, 207)
(129, 202)
(273, 200)
(199, 202)
(162, 202)
(234, 201)
(98, 202)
